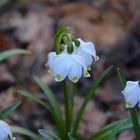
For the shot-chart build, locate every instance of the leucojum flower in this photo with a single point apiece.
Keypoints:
(131, 93)
(5, 131)
(74, 61)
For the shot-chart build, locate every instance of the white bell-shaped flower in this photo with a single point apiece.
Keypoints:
(87, 51)
(132, 94)
(67, 64)
(5, 131)
(51, 57)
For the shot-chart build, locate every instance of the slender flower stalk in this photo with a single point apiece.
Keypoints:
(72, 102)
(66, 105)
(134, 118)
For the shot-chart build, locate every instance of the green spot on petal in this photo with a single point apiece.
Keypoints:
(58, 77)
(87, 74)
(128, 104)
(75, 79)
(88, 67)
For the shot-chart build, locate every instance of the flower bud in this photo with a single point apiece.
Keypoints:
(70, 48)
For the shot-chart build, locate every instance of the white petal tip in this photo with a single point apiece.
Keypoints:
(97, 58)
(46, 65)
(86, 74)
(122, 92)
(75, 79)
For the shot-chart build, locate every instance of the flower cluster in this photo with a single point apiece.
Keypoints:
(132, 94)
(74, 61)
(5, 131)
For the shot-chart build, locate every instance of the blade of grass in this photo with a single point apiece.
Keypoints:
(48, 135)
(29, 95)
(49, 94)
(5, 112)
(9, 53)
(74, 136)
(33, 97)
(111, 130)
(89, 96)
(24, 131)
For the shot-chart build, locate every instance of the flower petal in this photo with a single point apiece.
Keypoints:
(88, 47)
(5, 130)
(79, 59)
(88, 59)
(61, 66)
(131, 94)
(51, 57)
(75, 72)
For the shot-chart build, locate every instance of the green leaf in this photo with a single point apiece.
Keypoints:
(36, 99)
(8, 53)
(74, 136)
(33, 97)
(122, 78)
(4, 2)
(58, 37)
(89, 96)
(24, 131)
(48, 135)
(54, 104)
(5, 112)
(49, 94)
(111, 130)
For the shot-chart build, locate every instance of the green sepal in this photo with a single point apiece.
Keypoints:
(58, 37)
(70, 48)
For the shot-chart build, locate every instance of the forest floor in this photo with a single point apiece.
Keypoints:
(113, 26)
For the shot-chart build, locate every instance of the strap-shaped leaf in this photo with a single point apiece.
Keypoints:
(5, 112)
(24, 131)
(122, 78)
(89, 96)
(111, 130)
(6, 54)
(74, 136)
(33, 97)
(50, 95)
(59, 124)
(48, 135)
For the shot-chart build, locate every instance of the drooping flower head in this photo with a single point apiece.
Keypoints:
(131, 94)
(87, 50)
(5, 131)
(73, 61)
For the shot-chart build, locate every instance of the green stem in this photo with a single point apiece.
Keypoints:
(134, 118)
(72, 102)
(66, 105)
